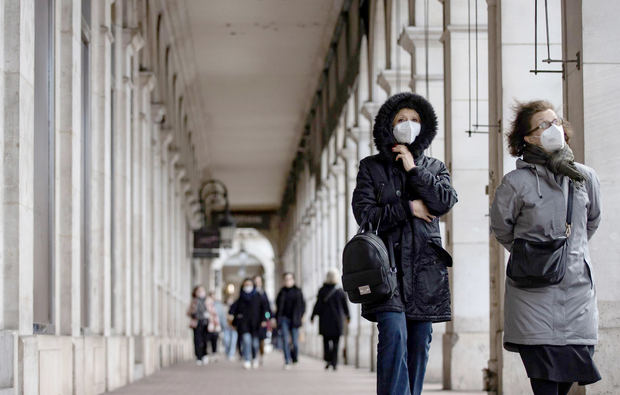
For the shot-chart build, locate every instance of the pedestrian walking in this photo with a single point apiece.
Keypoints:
(248, 317)
(214, 326)
(403, 192)
(291, 308)
(199, 321)
(229, 332)
(549, 205)
(332, 309)
(258, 281)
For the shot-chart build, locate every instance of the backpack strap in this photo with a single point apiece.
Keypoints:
(367, 221)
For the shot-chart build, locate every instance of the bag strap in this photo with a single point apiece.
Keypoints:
(367, 221)
(569, 207)
(330, 294)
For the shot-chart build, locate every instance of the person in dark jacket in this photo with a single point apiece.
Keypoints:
(332, 309)
(405, 192)
(258, 281)
(291, 307)
(199, 321)
(248, 316)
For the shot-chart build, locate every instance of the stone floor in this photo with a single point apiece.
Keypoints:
(224, 377)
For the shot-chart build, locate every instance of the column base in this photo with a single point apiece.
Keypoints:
(81, 365)
(606, 358)
(465, 356)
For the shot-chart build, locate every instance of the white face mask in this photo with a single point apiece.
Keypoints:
(248, 289)
(407, 131)
(552, 138)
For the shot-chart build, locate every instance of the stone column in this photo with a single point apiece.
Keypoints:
(166, 136)
(396, 75)
(173, 247)
(16, 197)
(591, 98)
(509, 63)
(100, 184)
(341, 207)
(147, 84)
(366, 331)
(467, 224)
(349, 153)
(325, 233)
(68, 193)
(158, 112)
(334, 234)
(120, 179)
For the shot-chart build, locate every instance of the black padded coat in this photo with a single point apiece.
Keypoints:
(423, 286)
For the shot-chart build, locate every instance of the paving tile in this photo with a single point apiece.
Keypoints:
(229, 378)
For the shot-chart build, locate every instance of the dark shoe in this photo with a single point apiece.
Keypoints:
(327, 366)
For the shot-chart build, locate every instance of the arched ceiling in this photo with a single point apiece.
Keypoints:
(257, 63)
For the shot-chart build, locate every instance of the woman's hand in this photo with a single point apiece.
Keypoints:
(405, 155)
(419, 210)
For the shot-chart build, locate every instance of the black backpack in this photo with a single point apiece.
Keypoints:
(368, 266)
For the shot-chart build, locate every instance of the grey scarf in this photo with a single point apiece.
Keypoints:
(561, 162)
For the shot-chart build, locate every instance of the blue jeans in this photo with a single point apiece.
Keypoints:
(402, 354)
(249, 347)
(289, 334)
(230, 342)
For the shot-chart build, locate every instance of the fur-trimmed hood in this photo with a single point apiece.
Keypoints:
(382, 131)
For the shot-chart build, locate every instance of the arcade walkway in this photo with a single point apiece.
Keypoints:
(224, 377)
(149, 146)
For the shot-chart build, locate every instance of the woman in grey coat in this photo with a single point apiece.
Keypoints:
(554, 328)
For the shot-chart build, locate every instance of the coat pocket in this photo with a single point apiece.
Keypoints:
(432, 286)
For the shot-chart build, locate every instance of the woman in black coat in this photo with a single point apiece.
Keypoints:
(248, 314)
(406, 192)
(331, 307)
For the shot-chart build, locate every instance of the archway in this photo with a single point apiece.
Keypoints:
(251, 254)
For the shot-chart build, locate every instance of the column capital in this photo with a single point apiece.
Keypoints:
(158, 111)
(413, 37)
(133, 39)
(349, 151)
(174, 158)
(387, 79)
(106, 31)
(356, 133)
(337, 168)
(370, 110)
(167, 136)
(147, 80)
(179, 169)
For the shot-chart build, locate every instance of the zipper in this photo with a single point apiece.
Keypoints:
(378, 203)
(380, 193)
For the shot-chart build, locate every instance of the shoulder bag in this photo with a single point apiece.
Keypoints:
(536, 264)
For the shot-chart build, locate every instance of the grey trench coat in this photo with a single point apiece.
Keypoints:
(530, 203)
